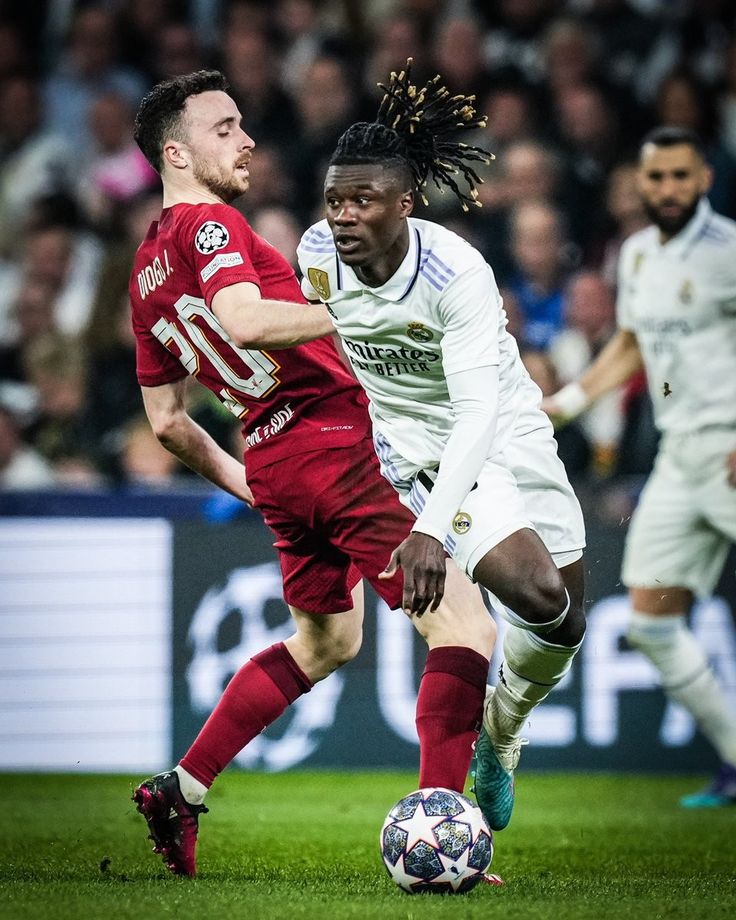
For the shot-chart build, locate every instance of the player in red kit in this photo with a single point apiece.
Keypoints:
(213, 300)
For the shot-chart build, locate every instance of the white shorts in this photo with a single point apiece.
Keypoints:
(685, 521)
(524, 486)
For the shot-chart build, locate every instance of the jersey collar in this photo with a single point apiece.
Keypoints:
(398, 285)
(680, 245)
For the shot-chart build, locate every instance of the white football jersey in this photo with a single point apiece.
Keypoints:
(679, 298)
(439, 313)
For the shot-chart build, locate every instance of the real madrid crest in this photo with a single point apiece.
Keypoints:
(686, 293)
(462, 522)
(419, 332)
(320, 281)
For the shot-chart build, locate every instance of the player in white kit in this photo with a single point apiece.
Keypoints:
(677, 318)
(457, 421)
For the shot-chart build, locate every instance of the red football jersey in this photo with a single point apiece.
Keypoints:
(290, 401)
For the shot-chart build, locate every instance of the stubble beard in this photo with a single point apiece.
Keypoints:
(671, 226)
(224, 187)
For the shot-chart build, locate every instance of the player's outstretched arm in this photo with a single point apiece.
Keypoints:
(184, 438)
(618, 361)
(254, 323)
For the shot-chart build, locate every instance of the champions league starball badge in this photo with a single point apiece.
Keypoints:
(210, 237)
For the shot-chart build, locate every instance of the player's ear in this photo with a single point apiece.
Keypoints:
(406, 203)
(706, 179)
(175, 155)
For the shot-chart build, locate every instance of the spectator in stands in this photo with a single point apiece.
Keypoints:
(395, 38)
(326, 103)
(89, 67)
(280, 228)
(542, 257)
(250, 64)
(625, 214)
(118, 171)
(457, 53)
(66, 259)
(525, 172)
(31, 317)
(33, 161)
(143, 461)
(682, 102)
(56, 368)
(21, 467)
(177, 51)
(590, 321)
(587, 134)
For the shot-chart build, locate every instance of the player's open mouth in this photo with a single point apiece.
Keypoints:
(347, 244)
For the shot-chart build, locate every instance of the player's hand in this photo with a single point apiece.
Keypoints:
(731, 468)
(564, 405)
(553, 411)
(423, 560)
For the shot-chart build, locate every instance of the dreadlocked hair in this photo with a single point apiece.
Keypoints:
(415, 128)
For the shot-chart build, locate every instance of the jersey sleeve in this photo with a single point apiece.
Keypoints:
(218, 242)
(470, 310)
(624, 316)
(315, 255)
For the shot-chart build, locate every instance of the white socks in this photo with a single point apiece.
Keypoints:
(531, 668)
(191, 788)
(687, 678)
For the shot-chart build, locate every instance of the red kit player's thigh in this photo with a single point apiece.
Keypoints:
(317, 576)
(366, 519)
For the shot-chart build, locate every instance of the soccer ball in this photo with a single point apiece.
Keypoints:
(436, 840)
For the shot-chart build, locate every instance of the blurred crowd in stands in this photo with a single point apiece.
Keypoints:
(569, 87)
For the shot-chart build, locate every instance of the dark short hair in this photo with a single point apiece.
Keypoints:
(159, 113)
(671, 136)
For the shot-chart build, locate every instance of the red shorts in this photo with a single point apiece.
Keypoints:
(336, 520)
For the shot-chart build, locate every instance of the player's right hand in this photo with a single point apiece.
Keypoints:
(423, 560)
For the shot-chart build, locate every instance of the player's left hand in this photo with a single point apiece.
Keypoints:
(423, 560)
(731, 468)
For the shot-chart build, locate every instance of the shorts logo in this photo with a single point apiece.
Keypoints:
(210, 237)
(320, 281)
(419, 333)
(686, 293)
(462, 522)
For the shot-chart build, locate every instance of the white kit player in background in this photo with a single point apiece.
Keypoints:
(677, 318)
(457, 421)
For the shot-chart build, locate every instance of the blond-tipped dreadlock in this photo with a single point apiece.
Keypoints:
(415, 127)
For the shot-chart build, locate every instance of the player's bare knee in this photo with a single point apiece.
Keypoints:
(346, 647)
(544, 598)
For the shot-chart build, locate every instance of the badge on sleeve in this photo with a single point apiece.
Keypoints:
(210, 237)
(320, 281)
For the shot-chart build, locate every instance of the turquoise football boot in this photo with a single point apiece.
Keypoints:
(493, 772)
(721, 792)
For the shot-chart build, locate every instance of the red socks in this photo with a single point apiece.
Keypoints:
(449, 713)
(256, 696)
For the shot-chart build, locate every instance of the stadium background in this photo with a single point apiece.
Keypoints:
(128, 590)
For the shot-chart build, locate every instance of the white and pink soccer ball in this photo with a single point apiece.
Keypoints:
(436, 840)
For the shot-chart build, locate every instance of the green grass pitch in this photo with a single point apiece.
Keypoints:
(305, 845)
